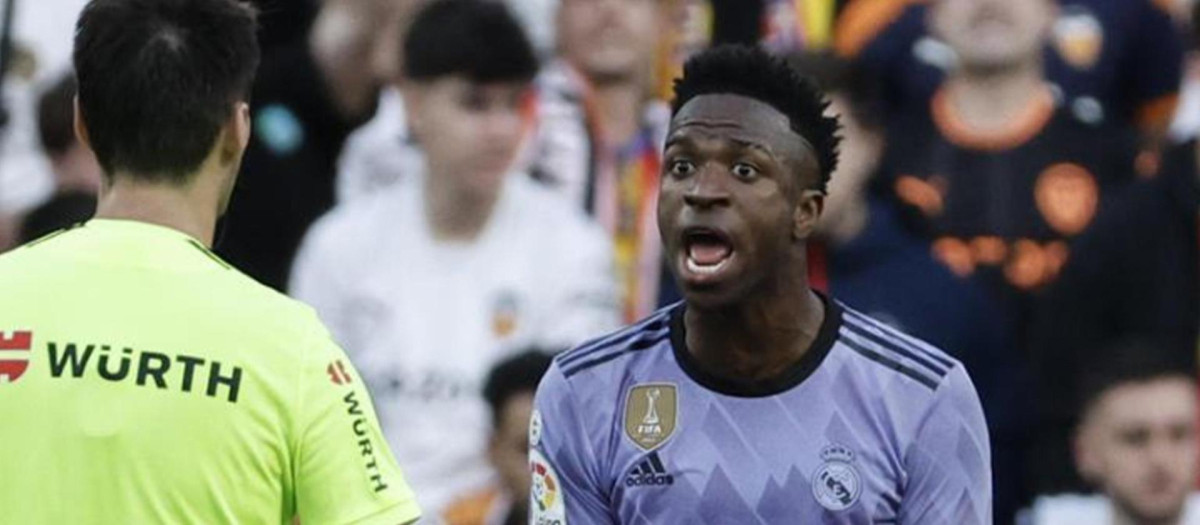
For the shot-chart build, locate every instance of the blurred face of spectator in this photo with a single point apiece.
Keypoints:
(468, 131)
(609, 39)
(860, 149)
(509, 448)
(1138, 442)
(993, 34)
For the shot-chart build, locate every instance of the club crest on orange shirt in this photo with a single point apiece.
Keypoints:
(651, 413)
(1067, 196)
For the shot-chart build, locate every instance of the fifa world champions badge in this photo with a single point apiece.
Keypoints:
(836, 484)
(651, 414)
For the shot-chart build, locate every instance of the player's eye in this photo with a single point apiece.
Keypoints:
(745, 171)
(681, 168)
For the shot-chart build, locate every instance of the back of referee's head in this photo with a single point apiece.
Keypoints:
(163, 85)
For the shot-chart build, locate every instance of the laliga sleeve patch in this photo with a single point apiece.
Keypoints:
(546, 496)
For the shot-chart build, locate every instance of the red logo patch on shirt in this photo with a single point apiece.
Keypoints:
(14, 355)
(337, 373)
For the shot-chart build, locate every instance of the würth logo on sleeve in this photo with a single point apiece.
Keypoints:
(14, 355)
(337, 373)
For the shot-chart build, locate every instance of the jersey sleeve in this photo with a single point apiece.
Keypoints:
(562, 462)
(949, 461)
(344, 471)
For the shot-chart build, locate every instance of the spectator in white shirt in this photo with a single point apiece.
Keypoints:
(428, 282)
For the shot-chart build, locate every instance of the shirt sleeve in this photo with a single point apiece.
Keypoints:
(566, 487)
(344, 471)
(949, 461)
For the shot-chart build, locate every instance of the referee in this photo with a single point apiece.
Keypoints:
(142, 379)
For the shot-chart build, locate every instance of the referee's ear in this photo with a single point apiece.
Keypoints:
(237, 133)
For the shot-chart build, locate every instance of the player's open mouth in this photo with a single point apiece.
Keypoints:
(706, 251)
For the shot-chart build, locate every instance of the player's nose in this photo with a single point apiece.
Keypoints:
(707, 189)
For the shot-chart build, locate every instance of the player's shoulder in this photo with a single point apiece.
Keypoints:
(889, 352)
(608, 350)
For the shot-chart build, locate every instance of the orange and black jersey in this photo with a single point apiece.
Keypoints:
(1004, 204)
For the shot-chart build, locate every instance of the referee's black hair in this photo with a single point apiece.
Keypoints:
(479, 39)
(158, 80)
(512, 376)
(752, 72)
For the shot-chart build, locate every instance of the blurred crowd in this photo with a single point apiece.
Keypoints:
(462, 187)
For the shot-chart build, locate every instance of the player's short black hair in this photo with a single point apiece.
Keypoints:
(1132, 360)
(752, 72)
(479, 39)
(56, 116)
(158, 79)
(512, 376)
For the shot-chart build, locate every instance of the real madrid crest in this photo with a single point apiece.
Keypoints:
(651, 411)
(836, 484)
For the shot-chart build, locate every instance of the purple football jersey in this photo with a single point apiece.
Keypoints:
(871, 426)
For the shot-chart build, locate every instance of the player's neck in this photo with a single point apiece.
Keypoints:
(189, 208)
(453, 214)
(619, 104)
(991, 100)
(760, 338)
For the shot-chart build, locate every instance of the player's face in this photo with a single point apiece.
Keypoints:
(733, 208)
(509, 448)
(1139, 443)
(609, 38)
(468, 131)
(987, 34)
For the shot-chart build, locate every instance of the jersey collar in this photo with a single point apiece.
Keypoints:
(790, 378)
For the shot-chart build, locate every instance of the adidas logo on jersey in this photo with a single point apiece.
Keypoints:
(649, 472)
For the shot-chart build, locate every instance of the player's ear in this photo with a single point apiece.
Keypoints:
(81, 131)
(807, 213)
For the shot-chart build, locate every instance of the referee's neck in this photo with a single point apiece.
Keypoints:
(190, 208)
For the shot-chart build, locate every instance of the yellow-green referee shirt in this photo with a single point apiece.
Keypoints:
(143, 380)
